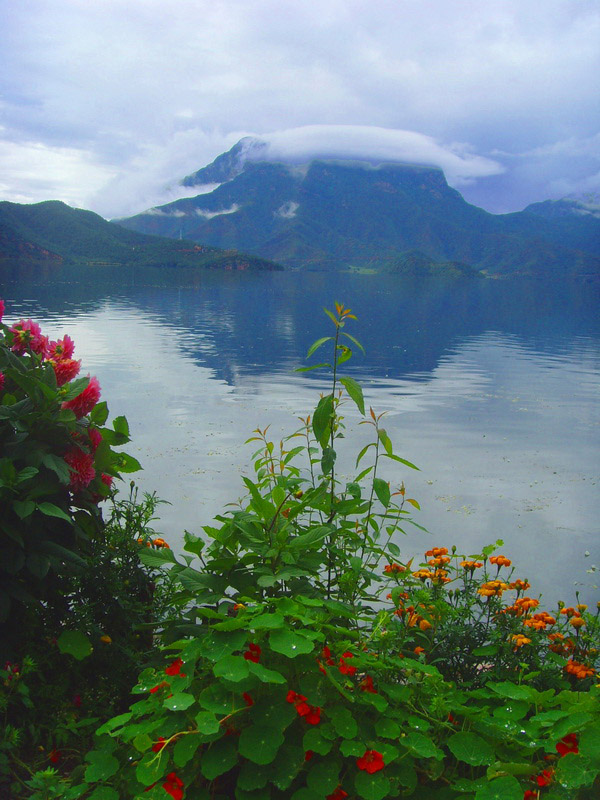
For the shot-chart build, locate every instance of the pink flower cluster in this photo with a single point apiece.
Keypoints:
(27, 336)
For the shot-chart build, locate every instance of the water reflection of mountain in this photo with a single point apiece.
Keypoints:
(250, 324)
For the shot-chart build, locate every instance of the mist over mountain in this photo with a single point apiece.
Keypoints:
(338, 214)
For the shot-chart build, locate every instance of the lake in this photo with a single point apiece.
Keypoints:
(490, 387)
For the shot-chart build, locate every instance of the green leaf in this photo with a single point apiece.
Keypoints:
(352, 747)
(51, 510)
(343, 721)
(387, 728)
(385, 441)
(220, 757)
(505, 788)
(355, 391)
(185, 749)
(102, 766)
(179, 701)
(382, 490)
(58, 465)
(150, 769)
(324, 776)
(575, 770)
(287, 765)
(231, 668)
(260, 743)
(371, 787)
(401, 460)
(322, 419)
(421, 745)
(328, 460)
(589, 743)
(126, 463)
(471, 748)
(315, 345)
(252, 777)
(156, 558)
(311, 537)
(99, 413)
(289, 643)
(207, 722)
(264, 674)
(75, 643)
(103, 793)
(23, 508)
(315, 741)
(355, 341)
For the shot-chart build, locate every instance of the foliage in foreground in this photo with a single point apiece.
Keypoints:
(308, 660)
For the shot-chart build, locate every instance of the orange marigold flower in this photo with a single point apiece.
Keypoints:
(471, 565)
(537, 624)
(390, 569)
(423, 574)
(519, 640)
(440, 561)
(424, 624)
(419, 650)
(577, 622)
(500, 561)
(437, 551)
(580, 671)
(570, 612)
(491, 588)
(520, 585)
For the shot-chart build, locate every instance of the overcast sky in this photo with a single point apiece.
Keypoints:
(106, 104)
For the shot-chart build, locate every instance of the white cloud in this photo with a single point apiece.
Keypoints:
(210, 214)
(375, 143)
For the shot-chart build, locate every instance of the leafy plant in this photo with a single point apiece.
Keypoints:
(310, 661)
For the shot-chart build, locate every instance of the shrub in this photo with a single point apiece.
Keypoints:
(310, 661)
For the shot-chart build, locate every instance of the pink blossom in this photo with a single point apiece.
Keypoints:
(1, 381)
(27, 333)
(95, 438)
(82, 468)
(84, 402)
(63, 348)
(1, 309)
(65, 370)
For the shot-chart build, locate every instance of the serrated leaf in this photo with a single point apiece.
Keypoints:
(156, 558)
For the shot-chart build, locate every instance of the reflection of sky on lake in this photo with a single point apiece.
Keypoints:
(503, 423)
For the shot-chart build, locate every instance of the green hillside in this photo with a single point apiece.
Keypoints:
(52, 232)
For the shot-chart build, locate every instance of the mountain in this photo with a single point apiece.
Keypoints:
(330, 214)
(52, 232)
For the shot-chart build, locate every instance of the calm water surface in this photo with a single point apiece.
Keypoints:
(491, 388)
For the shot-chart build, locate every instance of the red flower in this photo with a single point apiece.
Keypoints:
(161, 685)
(174, 668)
(173, 786)
(65, 370)
(326, 654)
(55, 756)
(339, 794)
(308, 755)
(530, 794)
(568, 744)
(248, 699)
(77, 700)
(345, 668)
(545, 777)
(294, 697)
(86, 400)
(371, 761)
(253, 653)
(63, 348)
(367, 685)
(28, 334)
(158, 746)
(81, 467)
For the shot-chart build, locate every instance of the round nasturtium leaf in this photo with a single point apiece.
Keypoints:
(260, 744)
(232, 668)
(289, 643)
(75, 643)
(102, 766)
(471, 748)
(371, 787)
(220, 757)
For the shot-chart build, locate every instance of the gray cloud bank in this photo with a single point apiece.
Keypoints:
(106, 105)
